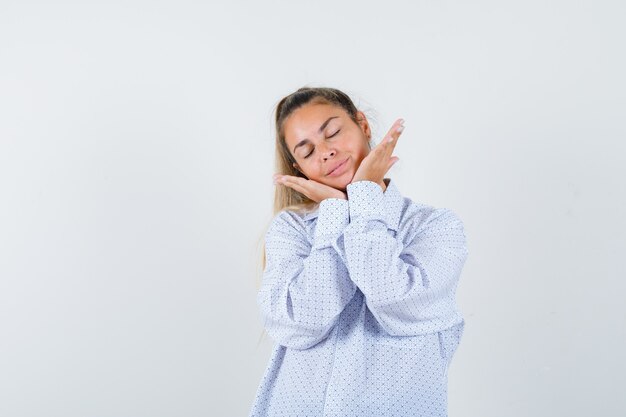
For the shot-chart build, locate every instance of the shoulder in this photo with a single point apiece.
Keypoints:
(288, 223)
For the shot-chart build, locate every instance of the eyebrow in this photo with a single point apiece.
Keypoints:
(322, 127)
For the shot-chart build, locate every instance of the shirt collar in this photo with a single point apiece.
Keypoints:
(392, 205)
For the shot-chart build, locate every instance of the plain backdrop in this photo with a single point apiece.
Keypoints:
(136, 162)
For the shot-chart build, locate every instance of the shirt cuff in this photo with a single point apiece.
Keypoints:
(332, 218)
(365, 199)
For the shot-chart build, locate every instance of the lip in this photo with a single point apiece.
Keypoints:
(337, 169)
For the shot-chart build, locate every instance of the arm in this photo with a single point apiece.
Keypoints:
(407, 286)
(305, 286)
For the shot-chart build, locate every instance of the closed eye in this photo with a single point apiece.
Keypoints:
(310, 153)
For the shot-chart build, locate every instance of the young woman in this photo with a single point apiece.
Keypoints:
(358, 287)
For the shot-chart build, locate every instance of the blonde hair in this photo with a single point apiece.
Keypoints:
(286, 198)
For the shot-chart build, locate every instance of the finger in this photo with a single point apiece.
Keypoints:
(390, 144)
(395, 131)
(296, 183)
(393, 138)
(285, 177)
(288, 179)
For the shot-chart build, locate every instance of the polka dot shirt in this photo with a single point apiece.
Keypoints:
(359, 296)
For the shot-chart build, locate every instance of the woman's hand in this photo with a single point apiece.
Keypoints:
(376, 164)
(316, 191)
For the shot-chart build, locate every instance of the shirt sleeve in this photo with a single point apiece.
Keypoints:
(405, 282)
(305, 286)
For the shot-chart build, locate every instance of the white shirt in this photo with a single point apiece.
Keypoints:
(360, 297)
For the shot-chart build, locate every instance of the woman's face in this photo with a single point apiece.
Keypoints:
(322, 136)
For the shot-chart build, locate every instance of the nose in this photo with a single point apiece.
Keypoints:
(326, 152)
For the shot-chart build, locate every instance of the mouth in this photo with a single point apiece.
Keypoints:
(338, 167)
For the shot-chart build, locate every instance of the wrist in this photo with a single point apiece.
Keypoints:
(381, 183)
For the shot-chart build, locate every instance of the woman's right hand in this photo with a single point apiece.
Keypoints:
(314, 190)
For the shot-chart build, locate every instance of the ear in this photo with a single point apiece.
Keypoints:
(365, 127)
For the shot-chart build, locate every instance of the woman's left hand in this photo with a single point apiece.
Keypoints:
(376, 164)
(314, 190)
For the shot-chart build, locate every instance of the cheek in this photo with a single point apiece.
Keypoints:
(361, 153)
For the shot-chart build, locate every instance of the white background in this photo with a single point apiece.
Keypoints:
(136, 154)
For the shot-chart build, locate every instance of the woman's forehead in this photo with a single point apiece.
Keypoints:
(311, 120)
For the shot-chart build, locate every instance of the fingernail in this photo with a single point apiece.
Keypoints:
(400, 129)
(401, 121)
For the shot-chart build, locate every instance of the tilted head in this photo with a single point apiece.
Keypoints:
(319, 129)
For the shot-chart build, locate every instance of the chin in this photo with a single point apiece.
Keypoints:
(342, 183)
